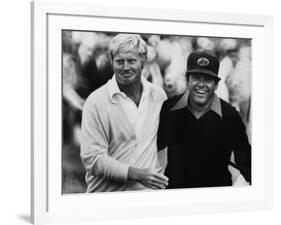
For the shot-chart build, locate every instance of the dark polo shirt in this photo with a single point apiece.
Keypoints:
(199, 149)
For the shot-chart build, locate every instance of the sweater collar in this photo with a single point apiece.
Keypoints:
(114, 90)
(182, 103)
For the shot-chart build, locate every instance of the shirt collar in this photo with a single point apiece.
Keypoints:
(182, 102)
(114, 90)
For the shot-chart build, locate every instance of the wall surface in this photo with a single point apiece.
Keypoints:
(15, 110)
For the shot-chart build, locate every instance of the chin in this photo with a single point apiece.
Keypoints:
(130, 80)
(199, 100)
(126, 80)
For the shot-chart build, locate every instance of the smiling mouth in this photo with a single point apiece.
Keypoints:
(201, 92)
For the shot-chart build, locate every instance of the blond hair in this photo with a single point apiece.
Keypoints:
(127, 42)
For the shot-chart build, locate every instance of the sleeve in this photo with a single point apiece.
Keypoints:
(242, 147)
(162, 134)
(94, 146)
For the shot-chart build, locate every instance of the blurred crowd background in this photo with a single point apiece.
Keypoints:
(87, 66)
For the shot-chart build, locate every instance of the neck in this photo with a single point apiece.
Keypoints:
(132, 91)
(199, 110)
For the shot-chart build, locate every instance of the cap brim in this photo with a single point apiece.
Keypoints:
(206, 72)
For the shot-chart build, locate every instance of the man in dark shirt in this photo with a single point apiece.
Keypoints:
(201, 130)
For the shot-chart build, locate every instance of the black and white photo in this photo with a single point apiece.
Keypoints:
(114, 86)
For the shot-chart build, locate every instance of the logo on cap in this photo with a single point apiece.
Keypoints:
(203, 62)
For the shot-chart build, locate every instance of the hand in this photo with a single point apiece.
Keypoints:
(149, 177)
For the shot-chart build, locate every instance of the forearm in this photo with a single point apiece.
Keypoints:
(133, 174)
(243, 163)
(242, 149)
(242, 158)
(103, 166)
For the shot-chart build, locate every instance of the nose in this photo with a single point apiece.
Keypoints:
(126, 66)
(201, 80)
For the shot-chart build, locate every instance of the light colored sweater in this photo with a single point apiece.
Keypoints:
(109, 144)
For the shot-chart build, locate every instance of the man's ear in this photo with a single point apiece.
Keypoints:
(111, 59)
(217, 84)
(143, 61)
(187, 77)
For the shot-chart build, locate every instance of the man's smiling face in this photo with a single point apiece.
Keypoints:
(201, 88)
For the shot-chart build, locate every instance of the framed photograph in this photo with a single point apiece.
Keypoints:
(71, 58)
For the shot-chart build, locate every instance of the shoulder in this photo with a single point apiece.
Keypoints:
(228, 111)
(157, 92)
(97, 98)
(171, 102)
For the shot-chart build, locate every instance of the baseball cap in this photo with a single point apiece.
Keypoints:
(204, 62)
